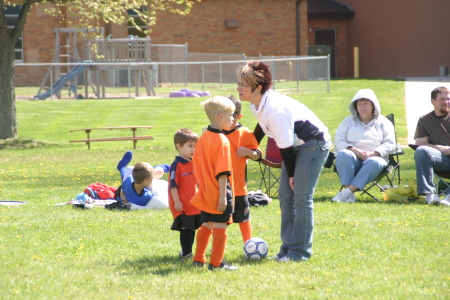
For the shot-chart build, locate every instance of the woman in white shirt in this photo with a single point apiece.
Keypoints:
(363, 142)
(304, 144)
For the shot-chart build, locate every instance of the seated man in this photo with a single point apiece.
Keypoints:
(433, 138)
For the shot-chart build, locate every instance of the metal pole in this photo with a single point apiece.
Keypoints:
(298, 76)
(328, 73)
(51, 83)
(203, 77)
(220, 71)
(129, 81)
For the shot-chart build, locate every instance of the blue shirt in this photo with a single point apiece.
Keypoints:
(141, 199)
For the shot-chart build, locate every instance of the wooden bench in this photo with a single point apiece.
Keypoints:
(133, 138)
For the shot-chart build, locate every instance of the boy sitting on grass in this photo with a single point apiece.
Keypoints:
(243, 144)
(212, 169)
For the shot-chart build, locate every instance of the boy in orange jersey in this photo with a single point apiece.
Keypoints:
(182, 187)
(243, 144)
(212, 169)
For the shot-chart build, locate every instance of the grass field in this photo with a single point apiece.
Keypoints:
(367, 250)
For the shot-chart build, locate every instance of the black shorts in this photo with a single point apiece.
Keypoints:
(241, 209)
(189, 222)
(219, 218)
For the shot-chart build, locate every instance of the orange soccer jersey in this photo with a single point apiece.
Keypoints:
(212, 158)
(240, 137)
(182, 177)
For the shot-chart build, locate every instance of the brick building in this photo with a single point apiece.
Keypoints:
(396, 38)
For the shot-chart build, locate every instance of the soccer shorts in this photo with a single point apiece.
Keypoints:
(241, 209)
(219, 218)
(192, 222)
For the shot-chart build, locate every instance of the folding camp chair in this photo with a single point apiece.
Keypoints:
(442, 186)
(391, 172)
(270, 177)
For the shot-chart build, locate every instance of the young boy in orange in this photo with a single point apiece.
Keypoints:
(243, 144)
(182, 187)
(213, 171)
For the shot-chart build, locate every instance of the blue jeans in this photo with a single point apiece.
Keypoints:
(429, 159)
(297, 208)
(356, 172)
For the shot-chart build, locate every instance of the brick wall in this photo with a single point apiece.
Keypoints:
(266, 27)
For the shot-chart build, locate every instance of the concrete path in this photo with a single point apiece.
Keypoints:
(418, 100)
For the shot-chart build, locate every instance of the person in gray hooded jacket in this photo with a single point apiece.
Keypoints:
(363, 142)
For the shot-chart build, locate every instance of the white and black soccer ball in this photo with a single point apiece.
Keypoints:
(255, 248)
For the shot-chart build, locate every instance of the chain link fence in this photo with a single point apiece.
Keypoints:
(202, 73)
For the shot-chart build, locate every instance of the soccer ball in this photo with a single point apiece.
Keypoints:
(255, 248)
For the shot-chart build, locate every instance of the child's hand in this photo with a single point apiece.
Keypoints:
(222, 204)
(178, 206)
(243, 152)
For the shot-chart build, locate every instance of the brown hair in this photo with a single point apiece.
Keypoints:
(142, 171)
(238, 105)
(184, 135)
(256, 73)
(438, 90)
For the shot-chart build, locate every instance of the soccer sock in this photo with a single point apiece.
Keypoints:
(246, 230)
(203, 236)
(218, 246)
(123, 163)
(186, 241)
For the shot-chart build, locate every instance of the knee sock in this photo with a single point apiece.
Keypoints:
(192, 237)
(218, 246)
(203, 236)
(186, 241)
(123, 163)
(246, 230)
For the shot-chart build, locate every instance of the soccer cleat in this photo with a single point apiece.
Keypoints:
(197, 264)
(432, 199)
(223, 266)
(340, 197)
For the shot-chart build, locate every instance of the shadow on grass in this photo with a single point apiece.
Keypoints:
(167, 265)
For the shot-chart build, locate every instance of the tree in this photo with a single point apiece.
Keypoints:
(91, 13)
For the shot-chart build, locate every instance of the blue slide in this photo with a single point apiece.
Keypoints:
(61, 82)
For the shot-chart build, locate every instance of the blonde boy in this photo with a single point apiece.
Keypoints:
(213, 171)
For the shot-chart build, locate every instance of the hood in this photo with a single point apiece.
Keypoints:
(365, 94)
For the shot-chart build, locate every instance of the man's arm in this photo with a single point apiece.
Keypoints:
(423, 141)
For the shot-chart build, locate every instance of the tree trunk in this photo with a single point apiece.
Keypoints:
(8, 120)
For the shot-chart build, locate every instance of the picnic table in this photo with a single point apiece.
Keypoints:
(133, 138)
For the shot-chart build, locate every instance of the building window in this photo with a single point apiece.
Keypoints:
(12, 15)
(132, 30)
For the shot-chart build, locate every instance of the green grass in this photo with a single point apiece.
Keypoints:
(368, 250)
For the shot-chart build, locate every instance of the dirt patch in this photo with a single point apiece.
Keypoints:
(18, 143)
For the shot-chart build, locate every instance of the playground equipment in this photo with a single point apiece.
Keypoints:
(99, 58)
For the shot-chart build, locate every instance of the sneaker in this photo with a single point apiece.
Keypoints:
(197, 264)
(340, 197)
(187, 256)
(351, 198)
(276, 257)
(284, 259)
(432, 199)
(444, 202)
(223, 266)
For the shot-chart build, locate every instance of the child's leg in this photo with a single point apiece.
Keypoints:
(203, 236)
(122, 165)
(246, 230)
(186, 241)
(218, 245)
